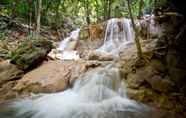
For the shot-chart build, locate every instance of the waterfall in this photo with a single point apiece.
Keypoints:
(118, 34)
(99, 93)
(67, 46)
(73, 37)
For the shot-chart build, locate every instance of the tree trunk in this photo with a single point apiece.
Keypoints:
(57, 17)
(30, 15)
(137, 41)
(141, 4)
(14, 5)
(109, 9)
(39, 7)
(97, 11)
(87, 11)
(105, 9)
(13, 12)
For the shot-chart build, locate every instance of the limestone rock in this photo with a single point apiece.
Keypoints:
(94, 55)
(63, 55)
(52, 76)
(6, 91)
(9, 72)
(155, 99)
(161, 84)
(135, 80)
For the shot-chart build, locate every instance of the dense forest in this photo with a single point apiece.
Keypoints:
(55, 13)
(89, 11)
(92, 59)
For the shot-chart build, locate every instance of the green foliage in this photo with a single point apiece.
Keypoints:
(2, 36)
(55, 11)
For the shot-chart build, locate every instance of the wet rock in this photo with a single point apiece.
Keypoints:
(6, 91)
(94, 55)
(163, 74)
(52, 76)
(150, 75)
(30, 53)
(72, 45)
(161, 84)
(135, 80)
(9, 72)
(63, 55)
(138, 76)
(156, 99)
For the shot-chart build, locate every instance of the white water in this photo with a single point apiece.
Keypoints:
(119, 33)
(98, 94)
(73, 37)
(65, 47)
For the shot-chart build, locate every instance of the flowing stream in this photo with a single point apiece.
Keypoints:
(99, 93)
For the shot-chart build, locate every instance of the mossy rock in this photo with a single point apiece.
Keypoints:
(30, 53)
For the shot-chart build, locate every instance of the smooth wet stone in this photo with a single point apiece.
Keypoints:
(94, 55)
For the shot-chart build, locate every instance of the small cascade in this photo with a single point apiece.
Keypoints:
(73, 37)
(98, 93)
(66, 48)
(119, 33)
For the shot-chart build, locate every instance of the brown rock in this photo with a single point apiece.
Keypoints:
(9, 72)
(160, 84)
(52, 76)
(155, 99)
(157, 65)
(139, 76)
(6, 91)
(135, 80)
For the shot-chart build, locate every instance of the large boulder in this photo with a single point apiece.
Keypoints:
(52, 76)
(30, 53)
(152, 74)
(169, 102)
(9, 72)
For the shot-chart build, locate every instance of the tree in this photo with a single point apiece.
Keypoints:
(30, 15)
(141, 4)
(87, 11)
(39, 7)
(137, 40)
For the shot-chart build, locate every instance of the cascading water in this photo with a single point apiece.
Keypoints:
(97, 94)
(73, 37)
(119, 33)
(67, 46)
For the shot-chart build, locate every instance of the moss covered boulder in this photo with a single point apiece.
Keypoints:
(30, 53)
